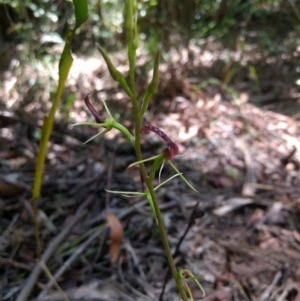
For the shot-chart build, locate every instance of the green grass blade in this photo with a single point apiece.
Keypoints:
(65, 64)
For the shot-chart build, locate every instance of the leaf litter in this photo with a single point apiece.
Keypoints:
(243, 160)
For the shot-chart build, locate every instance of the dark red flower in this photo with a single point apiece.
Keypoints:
(94, 112)
(172, 148)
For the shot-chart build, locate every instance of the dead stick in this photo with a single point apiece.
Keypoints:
(76, 254)
(83, 246)
(23, 295)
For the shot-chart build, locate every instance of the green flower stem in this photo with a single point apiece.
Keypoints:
(132, 43)
(153, 85)
(149, 183)
(162, 230)
(131, 73)
(124, 131)
(130, 24)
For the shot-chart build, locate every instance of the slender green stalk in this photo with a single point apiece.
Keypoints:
(130, 11)
(160, 223)
(131, 42)
(165, 243)
(65, 63)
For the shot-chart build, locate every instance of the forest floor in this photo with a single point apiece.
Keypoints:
(240, 149)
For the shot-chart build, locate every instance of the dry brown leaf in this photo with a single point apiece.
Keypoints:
(116, 234)
(296, 236)
(270, 243)
(276, 215)
(9, 186)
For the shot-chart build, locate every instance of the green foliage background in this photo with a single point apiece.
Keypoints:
(169, 22)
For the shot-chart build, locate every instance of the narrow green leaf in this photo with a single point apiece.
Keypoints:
(149, 198)
(93, 124)
(65, 64)
(153, 85)
(166, 181)
(81, 12)
(152, 88)
(200, 286)
(156, 164)
(107, 109)
(114, 72)
(98, 134)
(142, 161)
(182, 177)
(134, 193)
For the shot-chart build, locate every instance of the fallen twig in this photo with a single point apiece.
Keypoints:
(31, 280)
(82, 247)
(267, 292)
(77, 252)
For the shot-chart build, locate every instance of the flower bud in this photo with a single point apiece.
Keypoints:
(94, 112)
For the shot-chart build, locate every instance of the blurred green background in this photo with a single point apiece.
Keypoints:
(255, 41)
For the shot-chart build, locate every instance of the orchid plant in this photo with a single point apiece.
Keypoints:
(171, 150)
(139, 110)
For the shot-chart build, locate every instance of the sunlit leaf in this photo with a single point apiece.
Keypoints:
(65, 64)
(81, 12)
